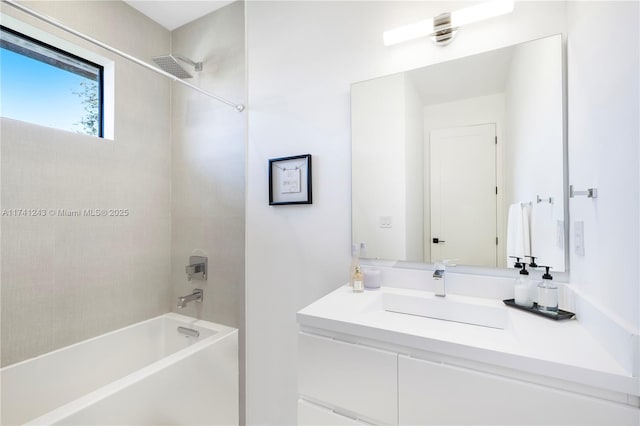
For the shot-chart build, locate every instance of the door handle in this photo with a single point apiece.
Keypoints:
(437, 241)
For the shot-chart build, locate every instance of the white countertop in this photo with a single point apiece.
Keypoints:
(530, 343)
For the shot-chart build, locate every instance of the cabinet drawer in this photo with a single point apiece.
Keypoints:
(355, 378)
(313, 415)
(438, 394)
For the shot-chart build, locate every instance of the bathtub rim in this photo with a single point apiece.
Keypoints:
(218, 328)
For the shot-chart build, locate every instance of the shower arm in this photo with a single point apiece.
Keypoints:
(197, 66)
(57, 24)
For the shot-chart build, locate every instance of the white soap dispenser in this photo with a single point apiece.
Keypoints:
(547, 293)
(523, 296)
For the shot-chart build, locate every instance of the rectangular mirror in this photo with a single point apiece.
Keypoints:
(463, 160)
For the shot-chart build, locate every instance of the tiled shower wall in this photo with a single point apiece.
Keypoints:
(65, 279)
(176, 163)
(208, 191)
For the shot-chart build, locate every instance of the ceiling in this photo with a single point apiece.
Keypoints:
(468, 77)
(172, 14)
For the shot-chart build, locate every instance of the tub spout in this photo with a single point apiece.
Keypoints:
(196, 296)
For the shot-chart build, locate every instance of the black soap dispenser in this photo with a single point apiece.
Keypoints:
(517, 264)
(547, 293)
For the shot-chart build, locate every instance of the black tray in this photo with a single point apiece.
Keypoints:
(557, 316)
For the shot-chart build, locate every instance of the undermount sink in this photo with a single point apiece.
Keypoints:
(447, 309)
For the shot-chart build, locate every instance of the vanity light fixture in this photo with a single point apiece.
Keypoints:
(443, 28)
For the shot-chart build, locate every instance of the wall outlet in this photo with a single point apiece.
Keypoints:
(579, 238)
(385, 222)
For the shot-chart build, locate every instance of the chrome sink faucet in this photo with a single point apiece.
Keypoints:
(196, 296)
(438, 276)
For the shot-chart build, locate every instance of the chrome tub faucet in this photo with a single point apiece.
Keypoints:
(196, 296)
(197, 268)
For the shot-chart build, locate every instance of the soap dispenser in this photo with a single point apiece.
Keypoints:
(547, 293)
(523, 296)
(355, 261)
(358, 280)
(517, 263)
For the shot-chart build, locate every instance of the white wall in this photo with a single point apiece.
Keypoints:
(387, 170)
(65, 279)
(414, 172)
(533, 153)
(379, 180)
(469, 112)
(303, 57)
(603, 55)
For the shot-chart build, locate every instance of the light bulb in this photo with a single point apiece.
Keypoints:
(408, 32)
(459, 18)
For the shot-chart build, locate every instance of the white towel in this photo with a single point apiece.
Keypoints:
(545, 244)
(518, 232)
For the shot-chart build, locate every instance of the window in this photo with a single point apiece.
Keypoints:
(44, 85)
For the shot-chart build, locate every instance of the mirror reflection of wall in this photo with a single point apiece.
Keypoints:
(463, 159)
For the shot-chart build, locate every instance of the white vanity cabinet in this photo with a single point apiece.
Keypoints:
(439, 394)
(359, 381)
(348, 384)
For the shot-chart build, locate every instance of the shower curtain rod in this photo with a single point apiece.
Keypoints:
(55, 23)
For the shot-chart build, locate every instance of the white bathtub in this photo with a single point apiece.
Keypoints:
(144, 374)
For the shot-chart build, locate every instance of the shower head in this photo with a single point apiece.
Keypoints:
(169, 63)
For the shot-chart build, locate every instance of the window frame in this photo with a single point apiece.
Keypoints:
(75, 57)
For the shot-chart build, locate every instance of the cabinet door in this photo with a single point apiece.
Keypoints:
(313, 415)
(350, 377)
(438, 394)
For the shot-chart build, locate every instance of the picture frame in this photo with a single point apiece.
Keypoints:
(290, 180)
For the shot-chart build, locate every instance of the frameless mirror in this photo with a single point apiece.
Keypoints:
(463, 160)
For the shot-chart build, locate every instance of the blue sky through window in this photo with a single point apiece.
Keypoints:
(36, 92)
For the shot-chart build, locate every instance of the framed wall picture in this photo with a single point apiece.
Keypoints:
(290, 180)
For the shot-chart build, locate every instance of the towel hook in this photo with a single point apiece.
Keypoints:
(590, 192)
